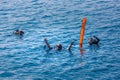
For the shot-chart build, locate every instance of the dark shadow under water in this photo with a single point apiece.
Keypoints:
(94, 47)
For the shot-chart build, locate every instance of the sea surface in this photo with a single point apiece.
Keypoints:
(24, 57)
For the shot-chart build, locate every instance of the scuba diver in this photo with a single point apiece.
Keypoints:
(58, 46)
(93, 40)
(18, 32)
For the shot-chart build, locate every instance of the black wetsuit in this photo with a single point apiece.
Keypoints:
(94, 40)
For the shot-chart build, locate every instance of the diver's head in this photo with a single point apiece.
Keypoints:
(59, 47)
(90, 41)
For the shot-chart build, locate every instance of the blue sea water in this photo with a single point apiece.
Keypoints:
(23, 58)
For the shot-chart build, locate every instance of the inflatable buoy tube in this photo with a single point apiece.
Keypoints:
(82, 32)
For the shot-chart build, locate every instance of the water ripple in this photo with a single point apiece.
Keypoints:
(59, 21)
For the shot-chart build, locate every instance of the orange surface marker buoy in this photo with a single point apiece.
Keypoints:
(82, 32)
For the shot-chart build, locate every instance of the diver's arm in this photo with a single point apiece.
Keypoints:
(69, 47)
(96, 38)
(47, 44)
